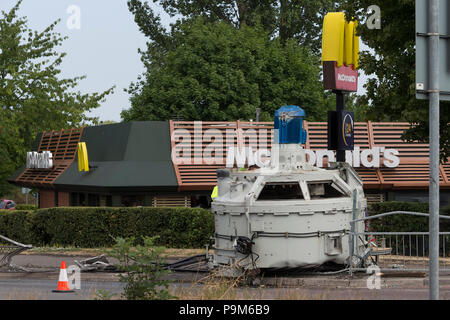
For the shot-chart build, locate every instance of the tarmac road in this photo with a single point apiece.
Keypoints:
(39, 285)
(33, 289)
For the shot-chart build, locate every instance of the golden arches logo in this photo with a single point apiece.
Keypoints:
(83, 162)
(347, 127)
(339, 40)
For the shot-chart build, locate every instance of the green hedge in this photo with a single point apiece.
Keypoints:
(417, 245)
(97, 227)
(404, 223)
(16, 224)
(26, 207)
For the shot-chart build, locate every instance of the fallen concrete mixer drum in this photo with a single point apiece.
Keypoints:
(288, 214)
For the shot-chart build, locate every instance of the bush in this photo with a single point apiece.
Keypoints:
(16, 224)
(26, 207)
(417, 245)
(98, 227)
(144, 269)
(446, 210)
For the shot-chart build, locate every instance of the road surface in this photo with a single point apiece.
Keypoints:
(33, 289)
(39, 285)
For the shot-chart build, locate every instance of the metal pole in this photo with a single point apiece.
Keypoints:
(433, 45)
(352, 233)
(340, 106)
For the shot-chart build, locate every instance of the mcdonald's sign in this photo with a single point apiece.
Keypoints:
(83, 162)
(340, 53)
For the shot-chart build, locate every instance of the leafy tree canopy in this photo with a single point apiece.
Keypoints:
(390, 62)
(223, 59)
(219, 72)
(287, 19)
(33, 97)
(391, 93)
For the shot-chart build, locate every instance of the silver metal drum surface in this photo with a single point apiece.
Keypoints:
(296, 215)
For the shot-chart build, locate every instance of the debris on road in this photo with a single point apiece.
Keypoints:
(98, 263)
(197, 263)
(8, 249)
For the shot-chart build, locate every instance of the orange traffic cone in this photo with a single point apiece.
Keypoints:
(63, 283)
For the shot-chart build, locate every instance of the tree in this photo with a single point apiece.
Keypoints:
(106, 122)
(278, 82)
(287, 19)
(219, 72)
(33, 98)
(391, 93)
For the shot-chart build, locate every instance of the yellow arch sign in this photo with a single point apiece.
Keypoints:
(83, 162)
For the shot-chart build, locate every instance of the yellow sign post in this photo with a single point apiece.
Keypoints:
(340, 43)
(340, 60)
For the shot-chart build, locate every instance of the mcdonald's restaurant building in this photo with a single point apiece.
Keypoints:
(137, 163)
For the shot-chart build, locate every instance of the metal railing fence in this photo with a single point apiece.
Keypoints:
(396, 251)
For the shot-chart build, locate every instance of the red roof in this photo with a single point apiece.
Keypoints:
(412, 173)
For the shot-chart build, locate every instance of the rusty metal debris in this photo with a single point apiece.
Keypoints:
(195, 263)
(98, 263)
(8, 249)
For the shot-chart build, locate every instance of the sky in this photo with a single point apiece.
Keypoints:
(104, 47)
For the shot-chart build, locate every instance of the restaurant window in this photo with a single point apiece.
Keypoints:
(81, 200)
(77, 199)
(105, 201)
(74, 199)
(93, 200)
(133, 201)
(109, 201)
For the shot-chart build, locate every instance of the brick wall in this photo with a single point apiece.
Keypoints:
(63, 199)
